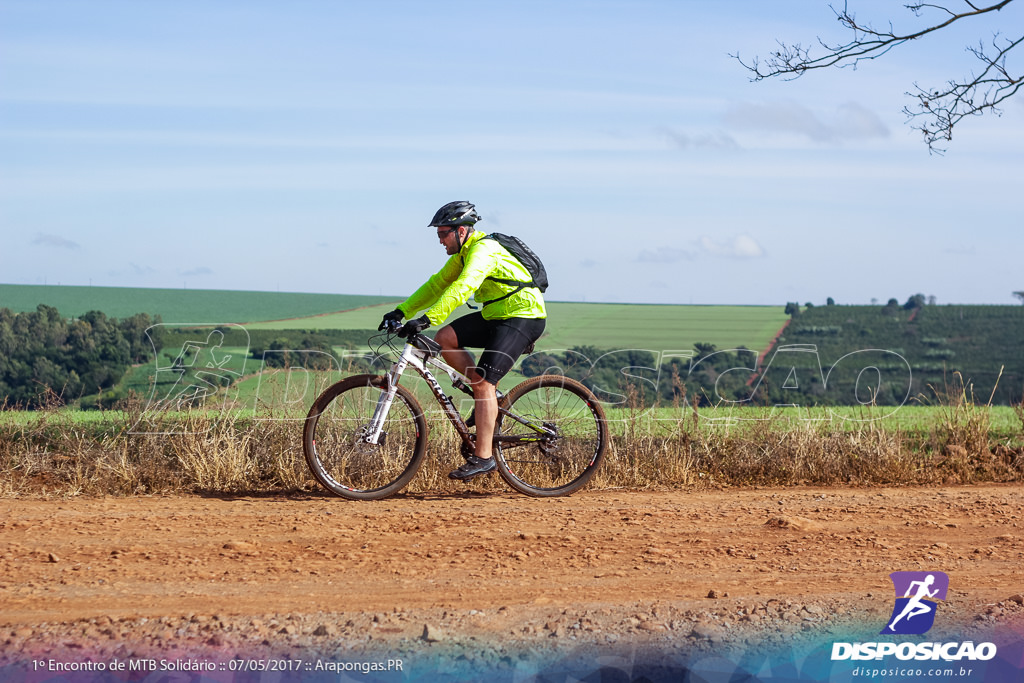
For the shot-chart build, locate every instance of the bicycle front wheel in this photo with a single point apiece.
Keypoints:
(336, 449)
(551, 436)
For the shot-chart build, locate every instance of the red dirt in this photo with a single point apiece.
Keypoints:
(600, 566)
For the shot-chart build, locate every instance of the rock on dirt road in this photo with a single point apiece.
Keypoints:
(487, 578)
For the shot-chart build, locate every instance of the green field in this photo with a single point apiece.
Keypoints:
(1004, 423)
(932, 349)
(607, 326)
(601, 327)
(286, 396)
(660, 328)
(181, 306)
(944, 433)
(604, 326)
(364, 318)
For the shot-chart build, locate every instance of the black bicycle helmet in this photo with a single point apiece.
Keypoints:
(455, 213)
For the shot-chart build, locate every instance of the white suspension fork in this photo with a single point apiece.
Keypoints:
(387, 396)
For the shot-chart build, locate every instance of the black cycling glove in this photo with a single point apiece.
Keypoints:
(394, 316)
(413, 326)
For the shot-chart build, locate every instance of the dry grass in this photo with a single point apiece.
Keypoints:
(54, 455)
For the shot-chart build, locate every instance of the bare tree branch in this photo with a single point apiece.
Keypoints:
(941, 109)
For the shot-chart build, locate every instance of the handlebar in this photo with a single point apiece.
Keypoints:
(417, 339)
(394, 327)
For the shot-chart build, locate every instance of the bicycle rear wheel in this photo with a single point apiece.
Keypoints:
(339, 457)
(554, 437)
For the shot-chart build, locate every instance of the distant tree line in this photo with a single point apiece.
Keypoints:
(311, 351)
(635, 377)
(914, 301)
(45, 357)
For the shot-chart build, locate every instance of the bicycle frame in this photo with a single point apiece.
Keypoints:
(418, 355)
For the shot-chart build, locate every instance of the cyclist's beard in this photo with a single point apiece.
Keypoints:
(456, 248)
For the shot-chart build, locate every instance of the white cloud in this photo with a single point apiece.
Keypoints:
(665, 255)
(854, 121)
(43, 239)
(201, 270)
(134, 269)
(739, 247)
(716, 140)
(850, 121)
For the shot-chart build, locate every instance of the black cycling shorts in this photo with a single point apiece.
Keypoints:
(503, 341)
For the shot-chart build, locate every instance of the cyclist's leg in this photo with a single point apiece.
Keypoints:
(473, 330)
(486, 399)
(484, 396)
(510, 339)
(503, 342)
(469, 330)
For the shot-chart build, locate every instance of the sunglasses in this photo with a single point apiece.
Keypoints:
(441, 234)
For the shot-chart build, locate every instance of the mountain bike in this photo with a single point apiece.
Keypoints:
(365, 437)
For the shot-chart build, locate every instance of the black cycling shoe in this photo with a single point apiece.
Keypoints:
(474, 467)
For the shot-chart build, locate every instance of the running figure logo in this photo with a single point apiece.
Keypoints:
(916, 596)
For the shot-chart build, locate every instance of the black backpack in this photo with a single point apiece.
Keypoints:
(525, 256)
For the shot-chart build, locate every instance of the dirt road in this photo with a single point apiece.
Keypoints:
(286, 574)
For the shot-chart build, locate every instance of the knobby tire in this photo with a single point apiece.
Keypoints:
(350, 467)
(565, 464)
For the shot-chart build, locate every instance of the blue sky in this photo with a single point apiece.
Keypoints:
(303, 146)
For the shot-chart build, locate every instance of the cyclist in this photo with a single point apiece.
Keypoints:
(511, 319)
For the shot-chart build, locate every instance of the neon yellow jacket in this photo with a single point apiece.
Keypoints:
(465, 274)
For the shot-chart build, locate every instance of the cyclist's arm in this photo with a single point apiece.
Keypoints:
(480, 262)
(431, 290)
